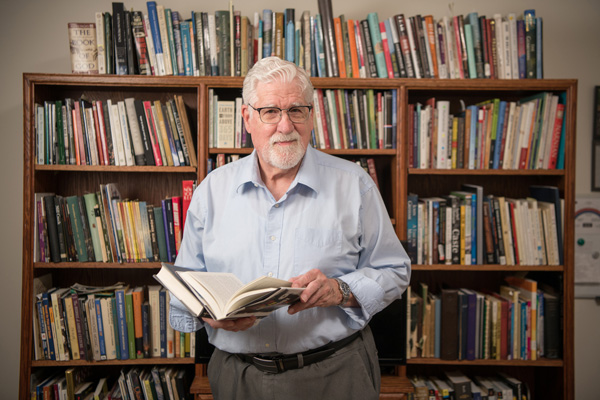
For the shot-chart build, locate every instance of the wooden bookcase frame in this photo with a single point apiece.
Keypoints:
(401, 180)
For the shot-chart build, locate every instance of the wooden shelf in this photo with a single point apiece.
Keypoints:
(487, 267)
(509, 363)
(139, 361)
(97, 265)
(488, 172)
(113, 168)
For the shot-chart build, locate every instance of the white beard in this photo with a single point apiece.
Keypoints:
(283, 157)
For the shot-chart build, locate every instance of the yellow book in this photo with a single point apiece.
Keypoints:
(163, 139)
(132, 231)
(454, 143)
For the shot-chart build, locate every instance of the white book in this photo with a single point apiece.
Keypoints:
(39, 133)
(333, 127)
(448, 239)
(507, 232)
(100, 43)
(420, 231)
(413, 48)
(109, 329)
(424, 138)
(91, 135)
(116, 137)
(150, 46)
(443, 107)
(514, 47)
(500, 55)
(153, 301)
(58, 326)
(524, 133)
(164, 38)
(136, 133)
(450, 49)
(238, 122)
(507, 50)
(510, 129)
(319, 120)
(225, 128)
(550, 233)
(127, 147)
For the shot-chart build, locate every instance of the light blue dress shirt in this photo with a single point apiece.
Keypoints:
(332, 218)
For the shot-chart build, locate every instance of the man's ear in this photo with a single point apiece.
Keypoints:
(246, 116)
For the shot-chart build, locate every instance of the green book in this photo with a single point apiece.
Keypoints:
(373, 20)
(91, 201)
(160, 234)
(77, 228)
(130, 324)
(372, 123)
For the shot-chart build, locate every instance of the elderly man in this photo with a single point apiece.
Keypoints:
(295, 213)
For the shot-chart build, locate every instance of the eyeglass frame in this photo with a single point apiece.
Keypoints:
(281, 113)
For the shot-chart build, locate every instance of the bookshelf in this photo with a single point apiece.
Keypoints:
(396, 180)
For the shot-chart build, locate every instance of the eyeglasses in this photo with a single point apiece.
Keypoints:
(272, 115)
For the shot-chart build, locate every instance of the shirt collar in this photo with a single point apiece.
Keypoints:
(307, 174)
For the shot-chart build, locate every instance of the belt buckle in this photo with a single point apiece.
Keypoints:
(273, 365)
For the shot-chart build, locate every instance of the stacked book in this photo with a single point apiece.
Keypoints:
(161, 41)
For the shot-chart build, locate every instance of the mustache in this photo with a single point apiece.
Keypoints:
(284, 137)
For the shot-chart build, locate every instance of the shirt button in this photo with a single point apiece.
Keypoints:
(256, 185)
(270, 274)
(277, 205)
(272, 238)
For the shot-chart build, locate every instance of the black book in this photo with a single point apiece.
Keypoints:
(404, 45)
(449, 325)
(388, 114)
(138, 41)
(119, 39)
(167, 209)
(143, 123)
(206, 42)
(86, 229)
(421, 45)
(200, 47)
(129, 46)
(552, 331)
(109, 44)
(52, 229)
(368, 48)
(109, 142)
(454, 203)
(331, 61)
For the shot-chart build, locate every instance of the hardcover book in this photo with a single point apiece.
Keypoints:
(223, 296)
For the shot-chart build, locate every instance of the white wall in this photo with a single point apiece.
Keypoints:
(34, 39)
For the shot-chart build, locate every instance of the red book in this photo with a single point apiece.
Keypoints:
(323, 118)
(177, 221)
(153, 133)
(100, 142)
(98, 105)
(556, 132)
(80, 144)
(386, 51)
(186, 199)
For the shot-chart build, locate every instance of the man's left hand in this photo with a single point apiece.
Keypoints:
(320, 291)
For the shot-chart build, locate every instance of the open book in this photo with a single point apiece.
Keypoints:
(221, 295)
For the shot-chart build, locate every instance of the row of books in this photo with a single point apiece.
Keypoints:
(467, 227)
(519, 321)
(494, 134)
(131, 383)
(226, 43)
(115, 322)
(103, 227)
(457, 385)
(114, 132)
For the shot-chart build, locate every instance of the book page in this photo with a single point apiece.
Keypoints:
(215, 288)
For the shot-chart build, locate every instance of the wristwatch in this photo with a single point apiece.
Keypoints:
(345, 289)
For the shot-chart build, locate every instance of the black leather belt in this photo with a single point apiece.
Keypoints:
(283, 362)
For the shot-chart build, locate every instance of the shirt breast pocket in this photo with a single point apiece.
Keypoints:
(316, 248)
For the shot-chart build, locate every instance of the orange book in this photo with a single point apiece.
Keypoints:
(339, 43)
(177, 221)
(138, 299)
(430, 26)
(353, 53)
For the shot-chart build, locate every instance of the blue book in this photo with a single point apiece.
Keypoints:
(115, 318)
(471, 325)
(523, 328)
(186, 49)
(99, 321)
(122, 323)
(162, 304)
(521, 49)
(473, 138)
(313, 52)
(438, 326)
(499, 132)
(373, 21)
(477, 233)
(267, 25)
(46, 308)
(473, 19)
(156, 39)
(412, 218)
(290, 31)
(470, 51)
(319, 49)
(43, 336)
(167, 209)
(348, 112)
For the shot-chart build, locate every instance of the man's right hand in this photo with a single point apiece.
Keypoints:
(233, 325)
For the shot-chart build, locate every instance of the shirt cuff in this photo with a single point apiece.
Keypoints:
(369, 295)
(180, 319)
